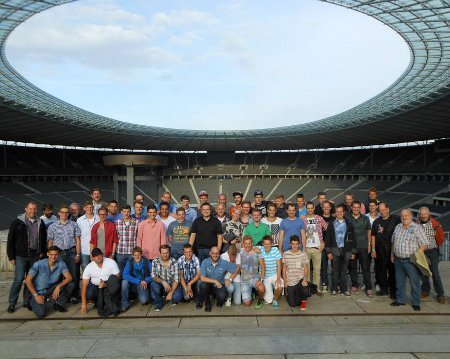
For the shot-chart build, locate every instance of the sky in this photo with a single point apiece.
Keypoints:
(213, 65)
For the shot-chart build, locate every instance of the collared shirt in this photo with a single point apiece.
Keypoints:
(44, 277)
(218, 270)
(191, 214)
(63, 235)
(371, 219)
(340, 228)
(407, 240)
(189, 268)
(127, 234)
(430, 233)
(151, 236)
(170, 274)
(85, 224)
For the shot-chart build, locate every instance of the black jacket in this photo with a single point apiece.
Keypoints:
(330, 239)
(18, 243)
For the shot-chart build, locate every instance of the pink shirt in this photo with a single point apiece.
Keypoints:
(151, 235)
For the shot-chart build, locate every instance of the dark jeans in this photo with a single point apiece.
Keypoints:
(113, 287)
(208, 289)
(296, 294)
(23, 265)
(203, 253)
(143, 294)
(385, 269)
(157, 291)
(433, 255)
(121, 260)
(196, 291)
(324, 269)
(68, 256)
(41, 309)
(364, 260)
(339, 273)
(404, 268)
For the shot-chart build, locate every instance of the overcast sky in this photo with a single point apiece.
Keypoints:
(208, 64)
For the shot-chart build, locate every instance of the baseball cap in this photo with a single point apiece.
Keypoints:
(203, 193)
(96, 252)
(237, 193)
(258, 192)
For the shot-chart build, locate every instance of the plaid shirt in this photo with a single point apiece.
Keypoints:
(190, 268)
(430, 233)
(127, 234)
(406, 240)
(169, 274)
(63, 235)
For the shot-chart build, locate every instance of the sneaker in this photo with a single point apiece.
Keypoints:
(324, 288)
(333, 293)
(11, 308)
(381, 293)
(369, 293)
(228, 302)
(74, 300)
(157, 309)
(59, 308)
(377, 288)
(347, 293)
(124, 309)
(303, 305)
(259, 303)
(319, 293)
(275, 304)
(198, 305)
(363, 288)
(173, 304)
(354, 290)
(207, 308)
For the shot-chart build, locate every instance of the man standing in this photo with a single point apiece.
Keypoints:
(202, 199)
(373, 212)
(86, 223)
(139, 198)
(190, 275)
(151, 234)
(104, 235)
(256, 229)
(206, 232)
(113, 211)
(373, 197)
(259, 202)
(212, 275)
(407, 239)
(341, 248)
(322, 197)
(44, 282)
(178, 233)
(273, 222)
(221, 215)
(237, 197)
(315, 226)
(382, 230)
(136, 278)
(75, 211)
(328, 218)
(139, 211)
(47, 214)
(166, 279)
(222, 199)
(291, 226)
(295, 272)
(435, 235)
(362, 231)
(166, 197)
(96, 196)
(127, 229)
(191, 213)
(65, 235)
(164, 215)
(281, 206)
(26, 243)
(101, 279)
(300, 208)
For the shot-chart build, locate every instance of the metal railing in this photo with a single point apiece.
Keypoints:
(445, 249)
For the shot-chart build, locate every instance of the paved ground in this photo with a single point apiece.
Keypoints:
(332, 327)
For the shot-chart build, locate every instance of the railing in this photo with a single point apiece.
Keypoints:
(445, 249)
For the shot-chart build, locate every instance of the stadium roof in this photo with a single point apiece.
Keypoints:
(415, 107)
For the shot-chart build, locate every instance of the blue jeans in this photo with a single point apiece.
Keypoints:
(121, 260)
(196, 290)
(23, 265)
(234, 291)
(203, 253)
(41, 309)
(404, 268)
(85, 260)
(157, 291)
(143, 294)
(433, 255)
(68, 256)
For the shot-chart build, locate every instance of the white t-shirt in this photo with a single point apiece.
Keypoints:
(166, 221)
(274, 229)
(94, 273)
(312, 235)
(226, 257)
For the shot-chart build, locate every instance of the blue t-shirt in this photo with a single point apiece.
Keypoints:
(180, 233)
(270, 260)
(291, 228)
(340, 228)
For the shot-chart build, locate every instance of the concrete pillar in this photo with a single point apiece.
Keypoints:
(116, 184)
(130, 185)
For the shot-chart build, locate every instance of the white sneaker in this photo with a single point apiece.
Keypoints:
(377, 288)
(228, 302)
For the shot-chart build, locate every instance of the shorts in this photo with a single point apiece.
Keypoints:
(246, 289)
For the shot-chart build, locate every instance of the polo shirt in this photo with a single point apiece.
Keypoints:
(257, 233)
(360, 227)
(206, 231)
(217, 271)
(43, 277)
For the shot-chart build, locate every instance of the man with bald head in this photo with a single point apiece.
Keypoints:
(408, 237)
(212, 272)
(435, 235)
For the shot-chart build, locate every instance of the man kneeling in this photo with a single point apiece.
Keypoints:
(44, 283)
(137, 275)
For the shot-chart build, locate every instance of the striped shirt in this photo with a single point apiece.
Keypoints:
(190, 268)
(63, 235)
(270, 260)
(406, 240)
(170, 274)
(127, 235)
(295, 266)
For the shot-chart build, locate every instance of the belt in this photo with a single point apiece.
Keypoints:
(401, 258)
(68, 249)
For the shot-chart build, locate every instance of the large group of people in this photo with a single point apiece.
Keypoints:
(250, 252)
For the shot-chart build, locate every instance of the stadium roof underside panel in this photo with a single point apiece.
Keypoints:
(415, 107)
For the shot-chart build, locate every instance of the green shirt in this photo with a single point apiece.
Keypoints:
(257, 233)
